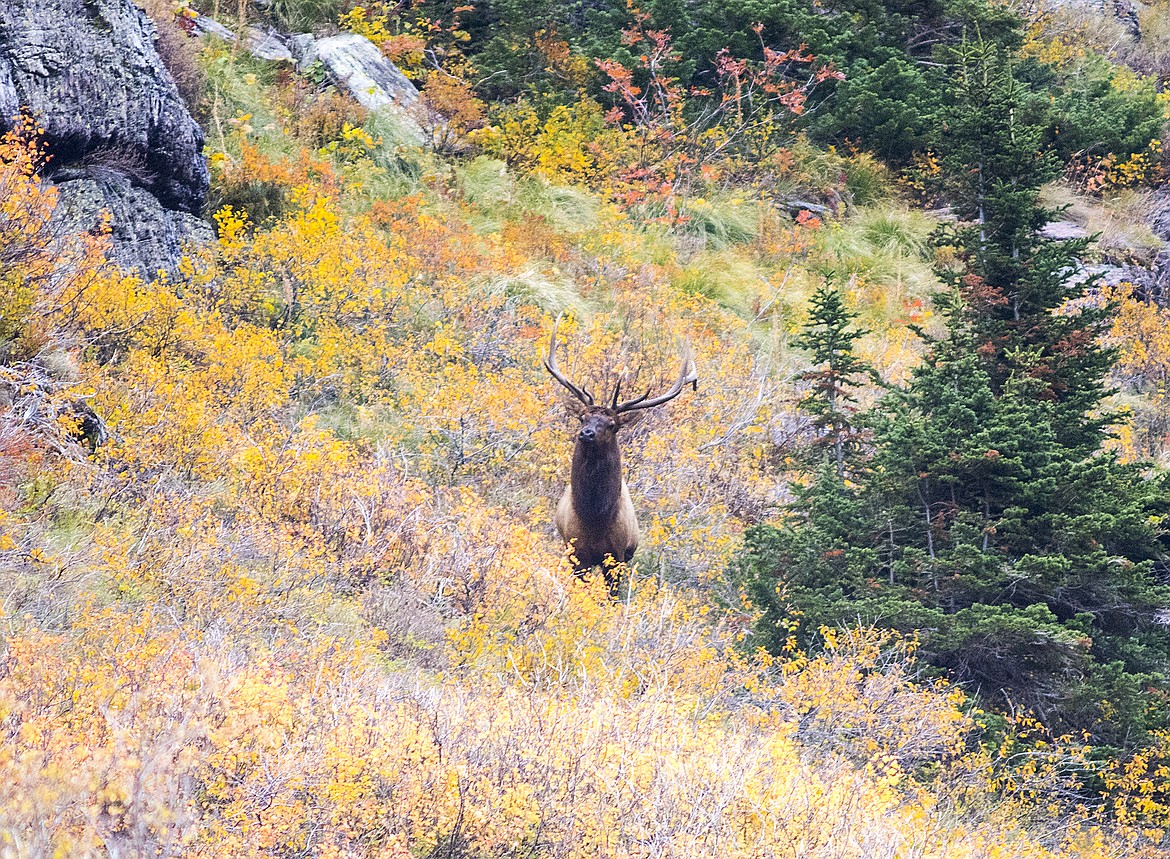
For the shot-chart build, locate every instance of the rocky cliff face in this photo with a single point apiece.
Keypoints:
(352, 62)
(118, 132)
(144, 235)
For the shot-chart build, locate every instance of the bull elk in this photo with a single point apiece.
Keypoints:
(595, 516)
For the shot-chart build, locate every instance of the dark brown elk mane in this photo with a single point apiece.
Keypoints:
(595, 516)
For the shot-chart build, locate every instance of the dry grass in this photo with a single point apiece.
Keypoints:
(179, 51)
(1118, 220)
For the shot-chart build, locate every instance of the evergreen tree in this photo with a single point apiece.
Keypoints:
(829, 336)
(825, 568)
(989, 515)
(1014, 281)
(1038, 556)
(812, 571)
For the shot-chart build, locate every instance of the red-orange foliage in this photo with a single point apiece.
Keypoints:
(680, 135)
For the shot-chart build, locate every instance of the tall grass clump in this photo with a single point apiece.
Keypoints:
(867, 180)
(720, 221)
(724, 277)
(531, 286)
(566, 209)
(485, 183)
(888, 246)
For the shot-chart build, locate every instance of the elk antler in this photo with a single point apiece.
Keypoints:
(688, 375)
(550, 364)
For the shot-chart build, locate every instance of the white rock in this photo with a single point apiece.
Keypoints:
(355, 63)
(352, 62)
(1064, 230)
(207, 26)
(268, 46)
(263, 44)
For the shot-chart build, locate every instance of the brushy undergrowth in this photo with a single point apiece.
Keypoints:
(306, 599)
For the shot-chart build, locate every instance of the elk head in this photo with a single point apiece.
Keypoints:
(595, 515)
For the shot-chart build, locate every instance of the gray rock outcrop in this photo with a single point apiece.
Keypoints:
(352, 62)
(355, 65)
(114, 123)
(263, 44)
(1126, 13)
(1063, 230)
(144, 235)
(1153, 282)
(89, 71)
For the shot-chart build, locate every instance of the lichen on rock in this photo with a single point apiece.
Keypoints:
(143, 234)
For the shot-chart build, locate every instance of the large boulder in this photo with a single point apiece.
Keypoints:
(143, 235)
(118, 133)
(352, 63)
(355, 65)
(89, 71)
(262, 44)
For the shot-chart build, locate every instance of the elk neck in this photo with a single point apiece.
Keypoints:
(597, 480)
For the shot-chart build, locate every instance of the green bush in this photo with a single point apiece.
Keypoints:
(1099, 109)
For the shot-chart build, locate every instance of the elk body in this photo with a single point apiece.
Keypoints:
(595, 516)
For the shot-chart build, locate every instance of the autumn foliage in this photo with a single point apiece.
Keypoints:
(306, 599)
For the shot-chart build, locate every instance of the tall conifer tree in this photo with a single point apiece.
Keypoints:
(989, 515)
(1023, 292)
(829, 337)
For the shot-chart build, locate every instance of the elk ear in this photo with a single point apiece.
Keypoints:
(628, 419)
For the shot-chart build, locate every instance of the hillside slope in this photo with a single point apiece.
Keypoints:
(293, 589)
